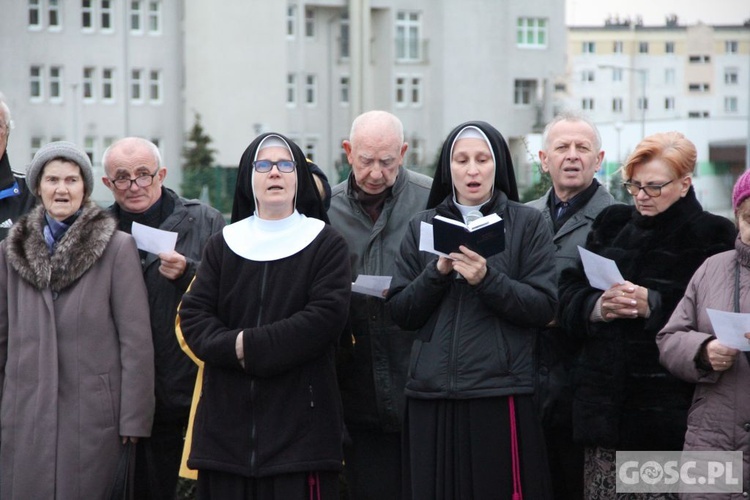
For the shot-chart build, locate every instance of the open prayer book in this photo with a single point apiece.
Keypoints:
(485, 235)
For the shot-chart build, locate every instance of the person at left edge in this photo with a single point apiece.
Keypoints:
(76, 360)
(134, 172)
(15, 197)
(265, 314)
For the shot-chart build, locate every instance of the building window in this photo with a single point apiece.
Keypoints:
(344, 35)
(698, 114)
(311, 150)
(408, 35)
(291, 89)
(108, 84)
(136, 85)
(36, 145)
(88, 84)
(344, 90)
(730, 46)
(55, 83)
(587, 75)
(524, 92)
(698, 87)
(700, 59)
(154, 86)
(669, 47)
(617, 74)
(643, 47)
(669, 76)
(730, 76)
(589, 48)
(154, 18)
(587, 103)
(400, 91)
(669, 103)
(87, 15)
(135, 17)
(617, 105)
(730, 104)
(416, 91)
(311, 90)
(36, 83)
(531, 32)
(643, 103)
(89, 147)
(106, 15)
(309, 22)
(54, 14)
(617, 47)
(35, 14)
(291, 21)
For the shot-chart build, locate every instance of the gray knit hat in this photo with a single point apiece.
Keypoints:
(60, 149)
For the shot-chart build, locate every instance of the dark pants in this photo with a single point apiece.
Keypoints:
(565, 463)
(372, 465)
(157, 463)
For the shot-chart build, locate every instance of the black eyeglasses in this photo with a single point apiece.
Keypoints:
(264, 166)
(143, 180)
(652, 190)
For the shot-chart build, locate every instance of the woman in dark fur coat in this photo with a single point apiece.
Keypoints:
(624, 399)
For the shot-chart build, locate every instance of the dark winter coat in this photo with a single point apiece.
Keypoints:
(623, 397)
(15, 198)
(194, 223)
(476, 341)
(76, 359)
(372, 367)
(281, 413)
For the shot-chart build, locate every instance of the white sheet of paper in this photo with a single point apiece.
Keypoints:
(150, 239)
(601, 271)
(730, 328)
(427, 240)
(377, 286)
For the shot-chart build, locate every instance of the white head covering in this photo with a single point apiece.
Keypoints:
(472, 132)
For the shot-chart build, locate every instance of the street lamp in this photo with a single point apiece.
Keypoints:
(642, 73)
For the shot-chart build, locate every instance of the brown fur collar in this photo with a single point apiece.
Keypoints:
(79, 249)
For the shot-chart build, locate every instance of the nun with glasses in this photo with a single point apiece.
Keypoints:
(264, 314)
(471, 430)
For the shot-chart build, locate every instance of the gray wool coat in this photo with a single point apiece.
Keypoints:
(76, 357)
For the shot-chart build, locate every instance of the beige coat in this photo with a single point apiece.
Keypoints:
(719, 417)
(76, 358)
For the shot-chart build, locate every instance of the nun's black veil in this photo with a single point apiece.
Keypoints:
(505, 178)
(308, 201)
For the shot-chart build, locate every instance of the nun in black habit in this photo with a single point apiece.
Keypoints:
(264, 315)
(471, 430)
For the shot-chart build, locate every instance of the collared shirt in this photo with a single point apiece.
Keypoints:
(561, 211)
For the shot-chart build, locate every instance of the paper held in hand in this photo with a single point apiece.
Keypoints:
(730, 328)
(485, 235)
(601, 271)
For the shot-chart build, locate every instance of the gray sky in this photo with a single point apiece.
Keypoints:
(594, 12)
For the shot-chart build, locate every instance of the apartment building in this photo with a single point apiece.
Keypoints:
(93, 71)
(635, 80)
(307, 68)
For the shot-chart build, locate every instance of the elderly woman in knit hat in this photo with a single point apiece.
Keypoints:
(471, 429)
(689, 349)
(76, 359)
(265, 313)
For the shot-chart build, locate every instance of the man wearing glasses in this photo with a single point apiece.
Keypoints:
(134, 173)
(15, 197)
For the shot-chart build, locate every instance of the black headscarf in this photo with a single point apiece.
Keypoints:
(308, 200)
(505, 178)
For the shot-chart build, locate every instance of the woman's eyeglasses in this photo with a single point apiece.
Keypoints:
(652, 190)
(264, 166)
